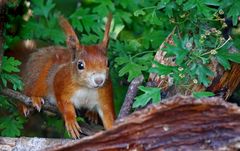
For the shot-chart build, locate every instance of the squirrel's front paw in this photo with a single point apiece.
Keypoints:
(23, 109)
(37, 102)
(72, 127)
(92, 116)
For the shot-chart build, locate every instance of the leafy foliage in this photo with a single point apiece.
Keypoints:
(46, 27)
(233, 12)
(10, 65)
(11, 125)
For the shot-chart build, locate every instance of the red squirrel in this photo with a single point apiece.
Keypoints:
(72, 77)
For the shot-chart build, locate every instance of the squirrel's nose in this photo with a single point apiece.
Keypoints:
(98, 81)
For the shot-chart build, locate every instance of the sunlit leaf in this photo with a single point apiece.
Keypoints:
(199, 95)
(150, 94)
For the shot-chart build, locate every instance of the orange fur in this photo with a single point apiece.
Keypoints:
(106, 103)
(54, 73)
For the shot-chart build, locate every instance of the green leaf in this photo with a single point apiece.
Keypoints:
(13, 79)
(123, 17)
(224, 62)
(11, 126)
(130, 4)
(189, 5)
(162, 4)
(203, 73)
(139, 12)
(89, 39)
(179, 2)
(132, 69)
(235, 57)
(82, 20)
(224, 53)
(88, 21)
(161, 69)
(116, 31)
(234, 11)
(42, 9)
(104, 7)
(169, 9)
(212, 2)
(152, 18)
(202, 6)
(177, 50)
(199, 95)
(150, 94)
(77, 16)
(40, 30)
(122, 60)
(144, 59)
(10, 64)
(4, 103)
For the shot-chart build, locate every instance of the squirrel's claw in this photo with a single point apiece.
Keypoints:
(26, 113)
(25, 110)
(92, 116)
(37, 102)
(42, 101)
(73, 128)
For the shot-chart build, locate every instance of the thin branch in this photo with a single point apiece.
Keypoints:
(131, 93)
(27, 100)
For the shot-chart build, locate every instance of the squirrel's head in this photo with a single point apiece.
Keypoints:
(90, 66)
(89, 63)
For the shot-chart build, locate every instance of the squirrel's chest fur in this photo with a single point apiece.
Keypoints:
(81, 98)
(85, 97)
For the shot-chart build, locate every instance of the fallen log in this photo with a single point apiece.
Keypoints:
(178, 123)
(29, 143)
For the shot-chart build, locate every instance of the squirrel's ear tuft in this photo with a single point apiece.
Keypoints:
(72, 40)
(105, 40)
(71, 37)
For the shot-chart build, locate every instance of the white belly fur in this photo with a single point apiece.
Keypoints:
(87, 98)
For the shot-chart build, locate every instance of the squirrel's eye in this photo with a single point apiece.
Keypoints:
(80, 65)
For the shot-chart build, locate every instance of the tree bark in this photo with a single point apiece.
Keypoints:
(179, 123)
(27, 100)
(131, 93)
(26, 143)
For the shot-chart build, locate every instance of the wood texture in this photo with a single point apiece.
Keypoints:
(179, 123)
(131, 94)
(26, 143)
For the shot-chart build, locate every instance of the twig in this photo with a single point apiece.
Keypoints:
(131, 93)
(27, 100)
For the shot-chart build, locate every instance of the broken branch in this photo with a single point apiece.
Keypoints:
(131, 93)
